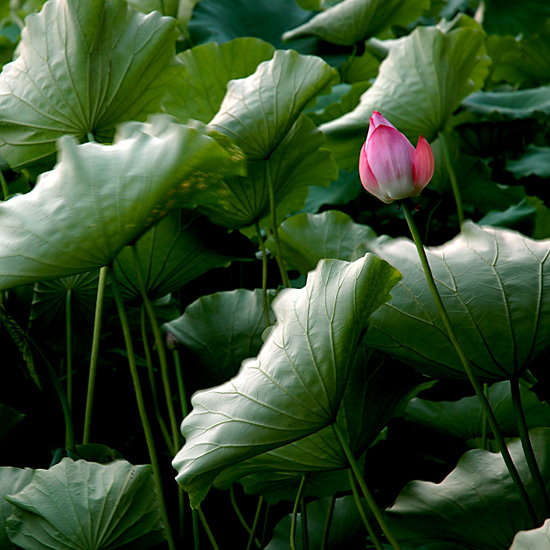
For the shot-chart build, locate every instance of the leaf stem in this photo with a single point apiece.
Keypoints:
(206, 527)
(452, 177)
(362, 513)
(161, 351)
(364, 489)
(264, 273)
(528, 451)
(252, 537)
(5, 188)
(295, 513)
(69, 346)
(142, 410)
(467, 367)
(273, 214)
(94, 354)
(240, 516)
(328, 522)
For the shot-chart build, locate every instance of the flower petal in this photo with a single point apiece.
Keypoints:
(390, 156)
(423, 164)
(367, 177)
(377, 120)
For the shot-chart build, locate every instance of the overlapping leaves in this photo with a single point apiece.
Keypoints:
(99, 198)
(294, 386)
(82, 69)
(495, 286)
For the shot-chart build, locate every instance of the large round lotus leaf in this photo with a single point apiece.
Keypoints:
(98, 198)
(82, 68)
(419, 85)
(495, 284)
(82, 505)
(294, 387)
(476, 505)
(352, 21)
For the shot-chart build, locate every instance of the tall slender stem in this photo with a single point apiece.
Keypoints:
(206, 527)
(528, 451)
(264, 273)
(364, 489)
(94, 354)
(252, 537)
(151, 376)
(278, 250)
(362, 513)
(142, 410)
(452, 177)
(161, 351)
(295, 513)
(69, 345)
(5, 188)
(328, 522)
(467, 366)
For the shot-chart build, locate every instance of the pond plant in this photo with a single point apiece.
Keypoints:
(274, 274)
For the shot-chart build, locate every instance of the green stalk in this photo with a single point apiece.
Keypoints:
(305, 533)
(328, 523)
(364, 489)
(452, 177)
(94, 354)
(161, 351)
(468, 368)
(152, 382)
(295, 513)
(362, 513)
(273, 215)
(240, 516)
(142, 411)
(252, 537)
(528, 451)
(484, 423)
(181, 385)
(206, 527)
(264, 274)
(196, 538)
(5, 188)
(69, 346)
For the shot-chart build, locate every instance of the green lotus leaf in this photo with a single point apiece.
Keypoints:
(224, 20)
(221, 331)
(494, 284)
(81, 505)
(352, 21)
(476, 505)
(209, 68)
(535, 161)
(307, 238)
(377, 388)
(420, 84)
(515, 104)
(98, 198)
(300, 161)
(174, 252)
(535, 539)
(294, 386)
(12, 480)
(464, 418)
(259, 111)
(82, 69)
(508, 17)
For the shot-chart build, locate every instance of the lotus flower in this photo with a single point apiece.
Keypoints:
(389, 166)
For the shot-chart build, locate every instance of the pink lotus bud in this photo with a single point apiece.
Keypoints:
(389, 166)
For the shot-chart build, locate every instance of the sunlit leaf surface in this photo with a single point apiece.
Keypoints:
(83, 67)
(294, 386)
